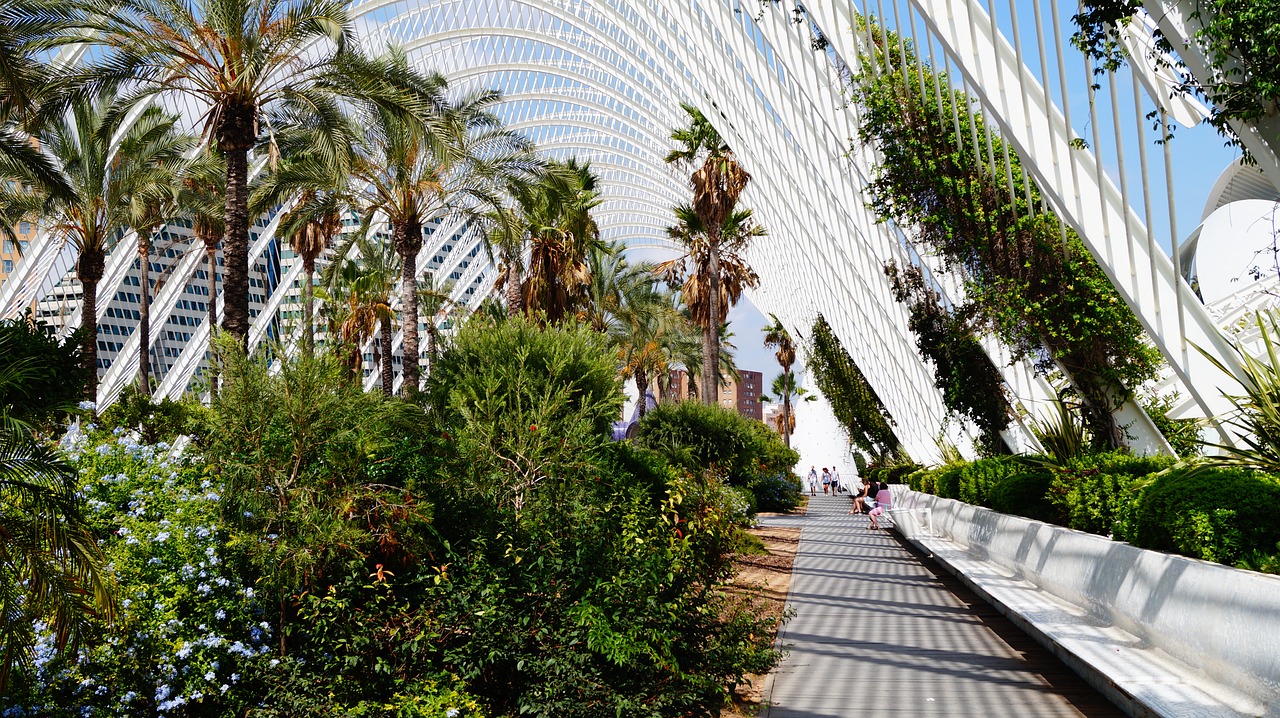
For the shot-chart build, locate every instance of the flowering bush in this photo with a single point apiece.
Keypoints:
(188, 627)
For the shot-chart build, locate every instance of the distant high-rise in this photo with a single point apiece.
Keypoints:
(11, 251)
(743, 395)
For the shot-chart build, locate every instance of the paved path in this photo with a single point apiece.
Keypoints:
(881, 631)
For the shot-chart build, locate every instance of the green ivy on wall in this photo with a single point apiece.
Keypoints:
(951, 182)
(969, 382)
(853, 401)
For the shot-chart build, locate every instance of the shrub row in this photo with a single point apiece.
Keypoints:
(1216, 514)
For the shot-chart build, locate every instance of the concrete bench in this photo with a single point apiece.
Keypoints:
(1159, 635)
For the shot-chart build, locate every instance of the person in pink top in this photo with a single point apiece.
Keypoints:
(884, 502)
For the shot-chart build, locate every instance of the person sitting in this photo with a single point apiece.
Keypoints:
(865, 498)
(884, 502)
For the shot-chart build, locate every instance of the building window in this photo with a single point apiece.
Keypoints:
(8, 266)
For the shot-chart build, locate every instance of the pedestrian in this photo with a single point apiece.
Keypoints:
(835, 481)
(826, 480)
(813, 481)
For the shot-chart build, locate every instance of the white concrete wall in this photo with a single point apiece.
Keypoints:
(1223, 623)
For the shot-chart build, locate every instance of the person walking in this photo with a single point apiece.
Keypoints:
(826, 480)
(813, 481)
(835, 481)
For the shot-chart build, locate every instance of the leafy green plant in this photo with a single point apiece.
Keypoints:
(1063, 436)
(1092, 490)
(189, 627)
(295, 448)
(970, 385)
(1028, 277)
(702, 438)
(1026, 494)
(527, 406)
(1235, 37)
(1256, 419)
(852, 399)
(1217, 514)
(41, 378)
(156, 421)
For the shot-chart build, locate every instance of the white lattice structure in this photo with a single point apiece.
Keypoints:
(603, 79)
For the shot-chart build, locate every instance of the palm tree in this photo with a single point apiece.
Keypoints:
(103, 172)
(255, 65)
(456, 163)
(784, 388)
(364, 284)
(776, 335)
(433, 299)
(25, 27)
(50, 565)
(608, 269)
(718, 180)
(693, 273)
(647, 328)
(203, 201)
(154, 199)
(322, 187)
(556, 215)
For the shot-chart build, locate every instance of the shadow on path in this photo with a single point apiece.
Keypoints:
(880, 630)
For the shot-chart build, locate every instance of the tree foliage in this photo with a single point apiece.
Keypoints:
(1029, 277)
(1240, 39)
(969, 382)
(853, 400)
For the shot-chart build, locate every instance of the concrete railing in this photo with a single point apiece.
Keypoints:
(1158, 634)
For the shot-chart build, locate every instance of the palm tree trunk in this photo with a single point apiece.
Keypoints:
(515, 301)
(211, 259)
(235, 132)
(786, 414)
(408, 241)
(308, 300)
(144, 312)
(711, 333)
(384, 340)
(642, 386)
(432, 345)
(89, 270)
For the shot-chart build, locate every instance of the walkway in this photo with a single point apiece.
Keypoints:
(880, 631)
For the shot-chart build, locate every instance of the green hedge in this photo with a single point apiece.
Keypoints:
(1215, 514)
(1025, 494)
(1092, 489)
(1218, 515)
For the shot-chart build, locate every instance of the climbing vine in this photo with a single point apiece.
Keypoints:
(853, 401)
(969, 382)
(1239, 38)
(954, 185)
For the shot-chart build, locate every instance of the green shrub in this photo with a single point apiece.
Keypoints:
(155, 421)
(45, 377)
(1091, 490)
(1215, 514)
(526, 408)
(946, 482)
(915, 480)
(1024, 494)
(776, 494)
(190, 630)
(701, 438)
(897, 474)
(714, 441)
(975, 479)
